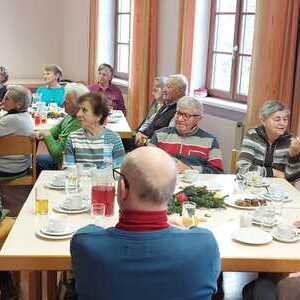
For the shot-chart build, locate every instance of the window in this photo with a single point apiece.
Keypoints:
(230, 48)
(122, 35)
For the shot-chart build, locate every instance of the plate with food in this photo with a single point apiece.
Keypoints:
(244, 202)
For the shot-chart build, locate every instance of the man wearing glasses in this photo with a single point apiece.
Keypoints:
(143, 257)
(192, 147)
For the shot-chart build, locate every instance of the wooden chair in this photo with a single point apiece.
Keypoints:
(19, 145)
(233, 160)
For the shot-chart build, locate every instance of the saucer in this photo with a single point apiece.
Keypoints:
(285, 240)
(39, 233)
(68, 211)
(54, 187)
(68, 230)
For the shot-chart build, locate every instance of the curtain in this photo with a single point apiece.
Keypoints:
(186, 37)
(92, 41)
(274, 55)
(143, 58)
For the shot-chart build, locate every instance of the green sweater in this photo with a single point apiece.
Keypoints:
(56, 141)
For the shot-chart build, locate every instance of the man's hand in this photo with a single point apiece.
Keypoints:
(140, 139)
(278, 174)
(294, 148)
(38, 135)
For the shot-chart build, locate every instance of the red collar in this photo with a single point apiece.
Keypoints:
(134, 220)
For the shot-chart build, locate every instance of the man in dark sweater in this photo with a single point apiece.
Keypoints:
(143, 257)
(174, 89)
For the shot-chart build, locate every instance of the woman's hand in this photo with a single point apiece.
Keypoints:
(294, 148)
(278, 174)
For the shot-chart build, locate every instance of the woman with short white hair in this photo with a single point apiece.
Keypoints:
(17, 121)
(270, 145)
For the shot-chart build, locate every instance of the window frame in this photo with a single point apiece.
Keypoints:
(232, 95)
(121, 75)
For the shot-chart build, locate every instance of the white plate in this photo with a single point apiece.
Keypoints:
(73, 211)
(69, 230)
(230, 201)
(258, 185)
(53, 237)
(252, 235)
(285, 240)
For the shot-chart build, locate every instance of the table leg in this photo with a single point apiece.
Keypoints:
(50, 287)
(30, 285)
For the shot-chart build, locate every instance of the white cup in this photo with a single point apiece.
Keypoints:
(190, 175)
(73, 201)
(285, 231)
(57, 223)
(59, 180)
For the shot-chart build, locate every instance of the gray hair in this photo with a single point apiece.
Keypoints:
(161, 80)
(76, 89)
(4, 73)
(147, 189)
(180, 81)
(271, 107)
(21, 94)
(57, 70)
(191, 102)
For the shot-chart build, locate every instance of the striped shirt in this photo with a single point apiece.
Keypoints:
(84, 148)
(256, 150)
(199, 149)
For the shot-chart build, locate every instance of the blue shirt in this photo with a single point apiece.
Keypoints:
(175, 264)
(50, 95)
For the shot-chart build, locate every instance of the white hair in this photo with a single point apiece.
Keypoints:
(21, 94)
(76, 89)
(180, 81)
(191, 102)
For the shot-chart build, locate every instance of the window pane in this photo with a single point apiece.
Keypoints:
(244, 75)
(224, 33)
(247, 34)
(123, 58)
(226, 6)
(124, 6)
(249, 6)
(221, 72)
(123, 28)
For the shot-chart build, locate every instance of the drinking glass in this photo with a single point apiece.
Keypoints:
(41, 201)
(241, 176)
(98, 213)
(72, 179)
(85, 171)
(188, 214)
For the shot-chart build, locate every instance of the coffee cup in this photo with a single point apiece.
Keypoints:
(56, 223)
(285, 231)
(73, 201)
(59, 180)
(190, 175)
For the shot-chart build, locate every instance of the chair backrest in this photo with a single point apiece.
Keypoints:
(20, 145)
(233, 160)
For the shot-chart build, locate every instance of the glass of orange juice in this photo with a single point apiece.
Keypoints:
(41, 201)
(188, 214)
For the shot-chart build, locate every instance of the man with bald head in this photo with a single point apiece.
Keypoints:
(143, 257)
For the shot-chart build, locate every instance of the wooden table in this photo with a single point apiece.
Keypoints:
(23, 250)
(119, 124)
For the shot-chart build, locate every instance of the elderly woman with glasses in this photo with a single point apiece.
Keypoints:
(17, 121)
(3, 80)
(94, 143)
(192, 147)
(105, 86)
(270, 145)
(53, 92)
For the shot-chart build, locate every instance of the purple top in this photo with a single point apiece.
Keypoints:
(114, 95)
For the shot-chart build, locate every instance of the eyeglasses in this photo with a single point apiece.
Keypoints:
(185, 116)
(117, 174)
